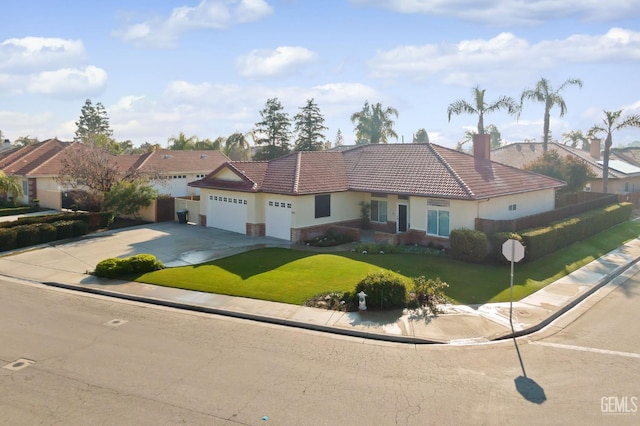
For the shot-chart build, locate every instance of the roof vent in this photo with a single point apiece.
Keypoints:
(203, 156)
(166, 156)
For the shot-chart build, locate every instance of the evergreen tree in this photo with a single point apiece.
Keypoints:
(272, 133)
(93, 122)
(421, 136)
(309, 127)
(339, 138)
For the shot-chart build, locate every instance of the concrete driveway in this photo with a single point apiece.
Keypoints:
(172, 243)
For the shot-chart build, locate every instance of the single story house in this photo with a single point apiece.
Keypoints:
(39, 166)
(623, 178)
(416, 193)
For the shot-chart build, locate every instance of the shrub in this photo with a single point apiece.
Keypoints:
(65, 228)
(497, 240)
(47, 232)
(110, 268)
(375, 248)
(117, 267)
(428, 293)
(144, 263)
(384, 290)
(107, 219)
(468, 245)
(7, 239)
(27, 235)
(332, 238)
(79, 227)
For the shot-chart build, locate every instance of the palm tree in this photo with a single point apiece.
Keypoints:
(575, 138)
(544, 93)
(374, 123)
(237, 147)
(10, 185)
(479, 107)
(610, 123)
(182, 142)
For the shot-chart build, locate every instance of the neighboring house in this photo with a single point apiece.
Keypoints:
(417, 192)
(39, 166)
(176, 169)
(624, 175)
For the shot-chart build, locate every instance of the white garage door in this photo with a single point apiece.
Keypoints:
(228, 213)
(278, 219)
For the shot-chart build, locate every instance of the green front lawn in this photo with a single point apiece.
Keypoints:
(292, 276)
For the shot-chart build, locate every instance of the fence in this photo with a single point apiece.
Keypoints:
(582, 204)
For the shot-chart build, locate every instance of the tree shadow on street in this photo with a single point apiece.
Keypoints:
(526, 386)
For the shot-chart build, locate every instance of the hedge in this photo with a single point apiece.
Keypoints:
(544, 240)
(7, 239)
(39, 233)
(468, 245)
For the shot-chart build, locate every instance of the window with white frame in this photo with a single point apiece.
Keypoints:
(378, 211)
(438, 218)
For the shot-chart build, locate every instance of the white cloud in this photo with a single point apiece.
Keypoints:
(478, 60)
(68, 82)
(29, 54)
(210, 110)
(513, 12)
(277, 62)
(49, 66)
(208, 15)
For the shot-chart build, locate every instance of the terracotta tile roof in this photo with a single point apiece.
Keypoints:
(406, 169)
(250, 173)
(46, 159)
(29, 159)
(520, 154)
(402, 169)
(486, 179)
(168, 161)
(306, 173)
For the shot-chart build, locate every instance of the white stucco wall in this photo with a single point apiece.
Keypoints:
(176, 184)
(344, 206)
(525, 204)
(48, 192)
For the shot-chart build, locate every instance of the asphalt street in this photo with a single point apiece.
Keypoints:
(77, 359)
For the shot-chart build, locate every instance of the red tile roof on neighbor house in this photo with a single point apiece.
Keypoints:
(28, 160)
(46, 158)
(405, 169)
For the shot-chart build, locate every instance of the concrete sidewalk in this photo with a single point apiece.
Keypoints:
(66, 266)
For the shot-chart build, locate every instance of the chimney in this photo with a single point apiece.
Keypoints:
(482, 147)
(595, 148)
(6, 143)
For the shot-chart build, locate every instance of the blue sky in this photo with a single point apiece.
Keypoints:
(207, 67)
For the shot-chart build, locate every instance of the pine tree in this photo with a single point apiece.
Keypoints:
(272, 134)
(309, 127)
(93, 122)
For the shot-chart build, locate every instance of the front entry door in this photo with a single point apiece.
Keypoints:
(401, 224)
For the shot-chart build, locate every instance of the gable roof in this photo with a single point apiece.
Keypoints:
(521, 154)
(47, 158)
(405, 169)
(166, 161)
(27, 160)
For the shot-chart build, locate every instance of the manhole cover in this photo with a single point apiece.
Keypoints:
(115, 322)
(19, 364)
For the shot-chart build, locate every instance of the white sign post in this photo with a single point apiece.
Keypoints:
(513, 251)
